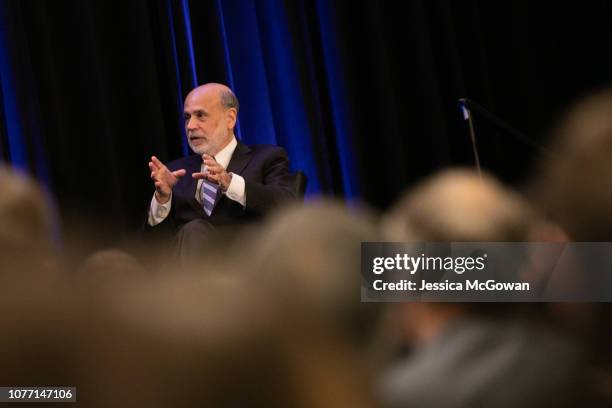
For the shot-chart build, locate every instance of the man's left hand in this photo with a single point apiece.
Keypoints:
(214, 173)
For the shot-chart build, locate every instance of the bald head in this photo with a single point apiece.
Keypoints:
(220, 92)
(210, 113)
(457, 205)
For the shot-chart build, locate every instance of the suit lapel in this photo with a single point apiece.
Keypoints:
(239, 159)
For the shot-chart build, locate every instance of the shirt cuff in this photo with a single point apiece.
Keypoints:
(236, 190)
(158, 211)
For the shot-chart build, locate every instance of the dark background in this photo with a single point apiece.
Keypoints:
(363, 94)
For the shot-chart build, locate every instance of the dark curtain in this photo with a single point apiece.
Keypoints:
(363, 94)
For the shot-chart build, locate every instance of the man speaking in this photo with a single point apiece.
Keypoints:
(225, 182)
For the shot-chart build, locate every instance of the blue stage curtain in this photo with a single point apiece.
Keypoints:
(20, 134)
(362, 94)
(272, 69)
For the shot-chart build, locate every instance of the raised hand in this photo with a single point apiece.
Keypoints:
(164, 179)
(214, 172)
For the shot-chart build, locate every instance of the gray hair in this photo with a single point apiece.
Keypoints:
(229, 100)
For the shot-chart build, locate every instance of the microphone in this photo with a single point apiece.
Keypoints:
(467, 106)
(467, 116)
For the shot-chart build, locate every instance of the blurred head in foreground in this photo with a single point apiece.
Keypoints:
(574, 185)
(457, 205)
(176, 341)
(311, 253)
(25, 233)
(478, 352)
(110, 269)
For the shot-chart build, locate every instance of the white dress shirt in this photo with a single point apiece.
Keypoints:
(235, 191)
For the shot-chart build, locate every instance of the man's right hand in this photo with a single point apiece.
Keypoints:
(164, 179)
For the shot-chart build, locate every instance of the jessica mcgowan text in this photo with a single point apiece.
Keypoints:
(469, 285)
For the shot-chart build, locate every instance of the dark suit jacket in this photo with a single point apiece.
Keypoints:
(265, 169)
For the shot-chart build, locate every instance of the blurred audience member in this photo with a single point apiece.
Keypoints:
(176, 341)
(574, 187)
(311, 253)
(25, 234)
(459, 206)
(109, 268)
(466, 355)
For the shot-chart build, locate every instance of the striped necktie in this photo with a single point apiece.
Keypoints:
(208, 193)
